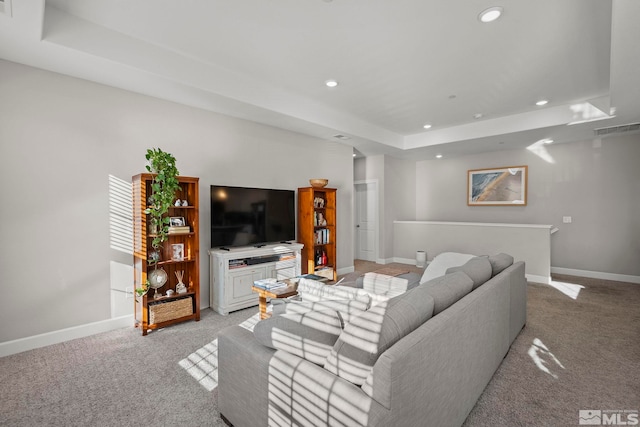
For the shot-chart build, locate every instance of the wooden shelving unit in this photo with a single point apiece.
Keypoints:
(153, 313)
(317, 230)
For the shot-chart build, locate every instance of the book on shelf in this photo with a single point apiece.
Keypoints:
(269, 284)
(322, 236)
(179, 229)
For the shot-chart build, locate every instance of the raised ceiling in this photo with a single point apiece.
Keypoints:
(399, 64)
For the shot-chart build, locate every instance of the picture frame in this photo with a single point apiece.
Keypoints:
(177, 221)
(177, 252)
(503, 186)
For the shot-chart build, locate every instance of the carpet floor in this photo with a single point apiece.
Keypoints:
(579, 351)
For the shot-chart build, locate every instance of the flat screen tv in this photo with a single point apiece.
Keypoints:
(242, 216)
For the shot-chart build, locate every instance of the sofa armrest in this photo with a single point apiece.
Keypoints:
(518, 299)
(243, 365)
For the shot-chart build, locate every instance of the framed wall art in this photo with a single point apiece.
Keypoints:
(506, 186)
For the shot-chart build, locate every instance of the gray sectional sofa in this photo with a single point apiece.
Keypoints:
(421, 358)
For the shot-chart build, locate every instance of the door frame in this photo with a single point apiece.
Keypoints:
(376, 224)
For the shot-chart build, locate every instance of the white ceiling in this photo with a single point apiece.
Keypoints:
(400, 64)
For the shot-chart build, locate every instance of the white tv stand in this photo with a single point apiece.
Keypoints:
(233, 271)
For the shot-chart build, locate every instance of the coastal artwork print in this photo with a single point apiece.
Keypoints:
(497, 187)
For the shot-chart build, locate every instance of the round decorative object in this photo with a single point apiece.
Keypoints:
(157, 278)
(318, 182)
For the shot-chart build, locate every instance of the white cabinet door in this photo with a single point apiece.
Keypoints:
(241, 283)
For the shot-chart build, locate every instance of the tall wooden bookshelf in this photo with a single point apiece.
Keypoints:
(150, 312)
(317, 230)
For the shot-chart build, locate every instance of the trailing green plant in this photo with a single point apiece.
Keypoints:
(163, 192)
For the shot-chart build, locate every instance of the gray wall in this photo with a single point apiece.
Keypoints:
(61, 139)
(595, 182)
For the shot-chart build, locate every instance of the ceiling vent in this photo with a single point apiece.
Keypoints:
(5, 7)
(614, 130)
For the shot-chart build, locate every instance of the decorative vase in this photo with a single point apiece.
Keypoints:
(181, 288)
(318, 182)
(154, 256)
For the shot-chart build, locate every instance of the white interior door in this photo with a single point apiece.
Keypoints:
(366, 221)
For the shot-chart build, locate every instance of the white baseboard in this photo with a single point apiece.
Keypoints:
(29, 343)
(402, 260)
(346, 270)
(538, 279)
(596, 275)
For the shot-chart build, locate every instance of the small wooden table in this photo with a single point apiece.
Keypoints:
(285, 292)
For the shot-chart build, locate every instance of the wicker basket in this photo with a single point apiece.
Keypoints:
(169, 310)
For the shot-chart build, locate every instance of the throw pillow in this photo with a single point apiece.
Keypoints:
(312, 290)
(309, 335)
(347, 308)
(478, 269)
(369, 335)
(446, 290)
(381, 284)
(439, 265)
(499, 262)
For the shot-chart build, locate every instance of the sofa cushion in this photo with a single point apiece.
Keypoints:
(448, 289)
(499, 262)
(369, 335)
(312, 290)
(439, 265)
(310, 335)
(478, 269)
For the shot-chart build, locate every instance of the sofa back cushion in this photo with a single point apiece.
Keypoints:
(369, 335)
(448, 289)
(478, 269)
(310, 335)
(499, 262)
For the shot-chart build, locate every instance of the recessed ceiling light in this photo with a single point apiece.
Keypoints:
(331, 83)
(548, 141)
(542, 102)
(427, 126)
(490, 15)
(438, 156)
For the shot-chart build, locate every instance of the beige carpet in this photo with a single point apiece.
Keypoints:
(579, 351)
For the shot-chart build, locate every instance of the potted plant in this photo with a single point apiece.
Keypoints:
(163, 192)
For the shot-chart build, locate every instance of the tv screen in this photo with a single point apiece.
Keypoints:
(242, 216)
